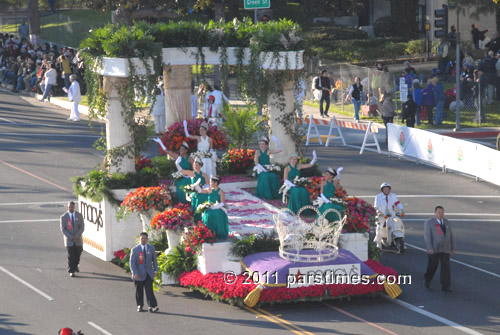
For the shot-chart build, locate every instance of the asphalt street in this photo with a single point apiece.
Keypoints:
(39, 153)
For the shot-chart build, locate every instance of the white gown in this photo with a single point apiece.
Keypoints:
(209, 165)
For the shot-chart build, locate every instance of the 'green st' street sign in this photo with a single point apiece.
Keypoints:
(256, 4)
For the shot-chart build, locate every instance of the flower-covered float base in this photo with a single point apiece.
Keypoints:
(265, 282)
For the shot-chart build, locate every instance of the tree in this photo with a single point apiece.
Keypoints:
(332, 8)
(34, 21)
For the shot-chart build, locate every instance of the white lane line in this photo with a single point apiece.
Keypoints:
(36, 203)
(45, 125)
(10, 122)
(102, 330)
(46, 296)
(437, 196)
(47, 135)
(433, 316)
(459, 262)
(458, 220)
(23, 221)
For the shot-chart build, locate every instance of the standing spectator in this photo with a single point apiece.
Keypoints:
(299, 92)
(427, 103)
(50, 78)
(494, 44)
(144, 268)
(408, 66)
(52, 5)
(72, 227)
(323, 84)
(194, 105)
(65, 68)
(24, 30)
(497, 67)
(440, 244)
(388, 111)
(487, 75)
(442, 52)
(357, 96)
(379, 80)
(158, 110)
(439, 100)
(452, 37)
(466, 78)
(417, 97)
(74, 96)
(477, 35)
(409, 110)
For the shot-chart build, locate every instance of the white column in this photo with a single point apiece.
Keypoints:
(177, 80)
(117, 132)
(278, 107)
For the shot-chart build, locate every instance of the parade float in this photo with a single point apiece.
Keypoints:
(125, 63)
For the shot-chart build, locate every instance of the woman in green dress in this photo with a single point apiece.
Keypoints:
(298, 196)
(268, 183)
(215, 218)
(183, 162)
(197, 197)
(328, 186)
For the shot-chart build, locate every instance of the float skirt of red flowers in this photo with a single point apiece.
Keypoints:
(266, 280)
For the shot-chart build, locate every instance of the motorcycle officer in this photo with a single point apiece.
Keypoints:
(385, 203)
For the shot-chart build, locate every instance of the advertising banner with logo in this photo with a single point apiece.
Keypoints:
(104, 234)
(460, 155)
(488, 164)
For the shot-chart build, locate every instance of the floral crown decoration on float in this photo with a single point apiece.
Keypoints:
(296, 235)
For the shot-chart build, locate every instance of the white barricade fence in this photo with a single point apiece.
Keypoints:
(337, 125)
(446, 152)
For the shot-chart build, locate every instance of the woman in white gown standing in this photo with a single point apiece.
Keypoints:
(205, 145)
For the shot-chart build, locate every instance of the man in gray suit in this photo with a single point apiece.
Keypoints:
(72, 227)
(144, 268)
(440, 244)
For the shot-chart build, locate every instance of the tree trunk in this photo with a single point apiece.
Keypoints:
(34, 21)
(234, 9)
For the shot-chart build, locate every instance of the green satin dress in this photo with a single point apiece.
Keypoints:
(268, 183)
(299, 195)
(329, 192)
(181, 196)
(198, 198)
(216, 219)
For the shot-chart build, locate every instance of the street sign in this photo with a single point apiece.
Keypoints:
(257, 4)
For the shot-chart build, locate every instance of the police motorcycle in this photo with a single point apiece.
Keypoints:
(390, 234)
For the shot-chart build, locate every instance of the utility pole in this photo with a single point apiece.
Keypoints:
(458, 68)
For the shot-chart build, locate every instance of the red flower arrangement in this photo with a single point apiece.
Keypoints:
(121, 253)
(175, 218)
(314, 189)
(238, 160)
(196, 236)
(360, 216)
(142, 162)
(145, 199)
(174, 136)
(215, 286)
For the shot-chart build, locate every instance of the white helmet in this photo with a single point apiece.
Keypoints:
(385, 185)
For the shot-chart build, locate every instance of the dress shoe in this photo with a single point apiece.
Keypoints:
(77, 269)
(446, 289)
(427, 284)
(326, 115)
(70, 119)
(153, 309)
(71, 274)
(139, 308)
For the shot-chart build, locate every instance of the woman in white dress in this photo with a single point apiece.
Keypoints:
(205, 145)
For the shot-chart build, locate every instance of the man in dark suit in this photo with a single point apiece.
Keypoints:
(440, 244)
(72, 227)
(144, 268)
(323, 84)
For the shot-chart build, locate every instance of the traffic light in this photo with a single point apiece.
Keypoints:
(441, 22)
